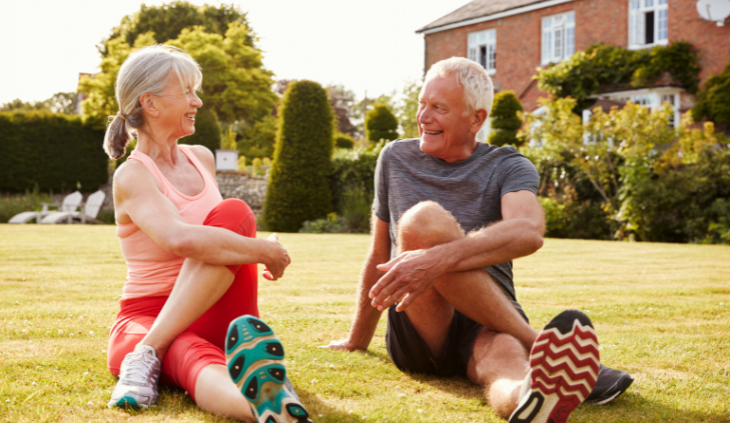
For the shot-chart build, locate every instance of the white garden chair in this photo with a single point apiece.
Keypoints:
(70, 203)
(89, 213)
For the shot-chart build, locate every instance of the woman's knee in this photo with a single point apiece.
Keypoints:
(235, 215)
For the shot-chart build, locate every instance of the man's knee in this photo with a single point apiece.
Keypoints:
(425, 225)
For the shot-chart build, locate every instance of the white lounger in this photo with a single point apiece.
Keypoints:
(70, 203)
(91, 210)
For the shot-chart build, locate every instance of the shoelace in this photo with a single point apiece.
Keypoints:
(137, 370)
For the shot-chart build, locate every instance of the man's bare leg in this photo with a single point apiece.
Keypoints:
(499, 363)
(473, 293)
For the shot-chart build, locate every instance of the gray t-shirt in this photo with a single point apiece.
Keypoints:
(471, 189)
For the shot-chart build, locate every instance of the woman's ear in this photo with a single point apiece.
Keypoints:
(149, 104)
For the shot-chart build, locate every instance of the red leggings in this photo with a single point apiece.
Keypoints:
(202, 344)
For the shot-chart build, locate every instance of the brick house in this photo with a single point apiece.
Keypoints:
(512, 38)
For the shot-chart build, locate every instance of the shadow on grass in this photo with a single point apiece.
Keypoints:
(174, 402)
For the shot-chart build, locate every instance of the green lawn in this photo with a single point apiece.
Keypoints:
(662, 313)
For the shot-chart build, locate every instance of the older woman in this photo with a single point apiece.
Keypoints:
(191, 259)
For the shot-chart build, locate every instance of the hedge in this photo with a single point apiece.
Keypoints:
(53, 152)
(299, 188)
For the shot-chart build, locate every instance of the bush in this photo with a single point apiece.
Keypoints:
(256, 167)
(299, 188)
(242, 164)
(712, 102)
(381, 124)
(207, 130)
(344, 141)
(14, 204)
(352, 179)
(53, 152)
(333, 224)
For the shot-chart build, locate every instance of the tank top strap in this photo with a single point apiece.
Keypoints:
(150, 164)
(199, 165)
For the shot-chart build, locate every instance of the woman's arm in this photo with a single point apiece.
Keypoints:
(138, 198)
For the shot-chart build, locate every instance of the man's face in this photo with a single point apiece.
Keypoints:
(443, 126)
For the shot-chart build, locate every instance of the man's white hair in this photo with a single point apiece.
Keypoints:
(478, 88)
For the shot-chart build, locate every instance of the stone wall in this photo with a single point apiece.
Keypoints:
(251, 189)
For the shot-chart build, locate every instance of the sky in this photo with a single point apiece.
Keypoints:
(366, 45)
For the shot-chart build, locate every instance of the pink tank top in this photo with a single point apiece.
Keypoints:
(152, 271)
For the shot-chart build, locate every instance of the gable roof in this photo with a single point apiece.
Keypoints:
(482, 9)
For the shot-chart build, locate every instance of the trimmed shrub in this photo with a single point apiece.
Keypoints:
(299, 188)
(207, 130)
(381, 124)
(53, 152)
(242, 164)
(344, 141)
(505, 121)
(256, 167)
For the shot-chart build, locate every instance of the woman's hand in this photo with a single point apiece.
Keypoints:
(278, 259)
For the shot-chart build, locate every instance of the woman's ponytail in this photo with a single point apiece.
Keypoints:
(117, 137)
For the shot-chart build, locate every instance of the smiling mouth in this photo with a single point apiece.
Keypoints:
(432, 132)
(190, 116)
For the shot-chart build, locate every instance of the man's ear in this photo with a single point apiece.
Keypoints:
(149, 104)
(478, 119)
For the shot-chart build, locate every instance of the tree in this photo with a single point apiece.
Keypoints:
(168, 20)
(342, 101)
(58, 103)
(259, 139)
(299, 188)
(235, 85)
(408, 109)
(505, 121)
(381, 123)
(344, 141)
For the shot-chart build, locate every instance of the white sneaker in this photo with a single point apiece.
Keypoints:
(138, 379)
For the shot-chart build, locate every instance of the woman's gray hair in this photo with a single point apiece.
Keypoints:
(478, 88)
(147, 70)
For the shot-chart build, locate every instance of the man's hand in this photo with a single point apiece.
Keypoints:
(279, 259)
(341, 345)
(408, 275)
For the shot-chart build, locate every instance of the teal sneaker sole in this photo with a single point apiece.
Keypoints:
(254, 357)
(126, 402)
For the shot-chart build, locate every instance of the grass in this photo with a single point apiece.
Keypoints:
(662, 312)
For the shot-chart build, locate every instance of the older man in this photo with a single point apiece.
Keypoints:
(450, 214)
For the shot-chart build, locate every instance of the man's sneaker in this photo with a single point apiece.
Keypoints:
(611, 384)
(563, 370)
(138, 379)
(254, 356)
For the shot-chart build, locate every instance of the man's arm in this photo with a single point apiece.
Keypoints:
(366, 316)
(519, 234)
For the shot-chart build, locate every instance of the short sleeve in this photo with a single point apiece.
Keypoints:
(518, 174)
(380, 200)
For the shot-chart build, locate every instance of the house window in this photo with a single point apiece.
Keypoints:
(647, 23)
(558, 37)
(483, 49)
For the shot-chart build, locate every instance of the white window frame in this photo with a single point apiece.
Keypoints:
(653, 98)
(482, 49)
(638, 9)
(558, 37)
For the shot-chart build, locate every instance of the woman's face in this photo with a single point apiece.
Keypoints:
(178, 105)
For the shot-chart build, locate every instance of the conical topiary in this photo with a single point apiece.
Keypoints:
(505, 122)
(299, 187)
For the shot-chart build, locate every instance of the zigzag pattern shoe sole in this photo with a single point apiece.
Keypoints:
(563, 369)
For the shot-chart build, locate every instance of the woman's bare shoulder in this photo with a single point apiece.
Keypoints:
(205, 156)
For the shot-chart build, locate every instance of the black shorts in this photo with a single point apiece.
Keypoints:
(410, 353)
